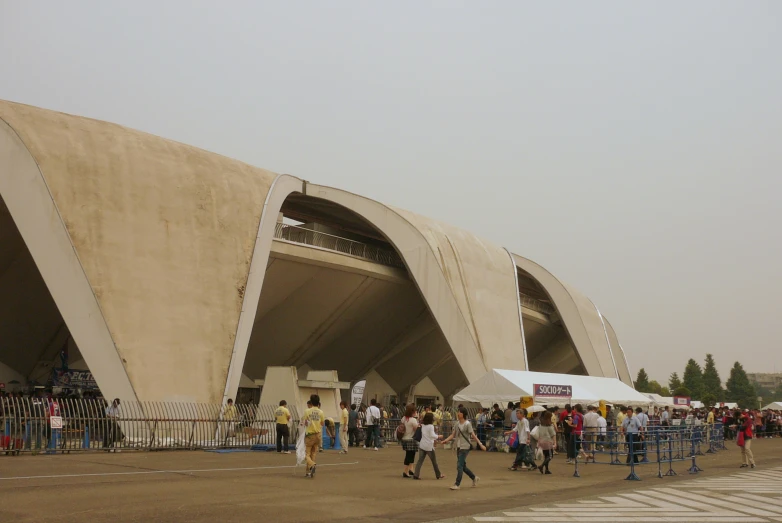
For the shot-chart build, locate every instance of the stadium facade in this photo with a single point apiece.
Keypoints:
(175, 273)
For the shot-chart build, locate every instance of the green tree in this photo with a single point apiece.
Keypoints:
(765, 393)
(642, 381)
(655, 387)
(709, 399)
(665, 392)
(682, 391)
(693, 379)
(739, 388)
(711, 379)
(674, 382)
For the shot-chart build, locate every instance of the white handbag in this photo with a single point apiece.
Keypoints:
(535, 432)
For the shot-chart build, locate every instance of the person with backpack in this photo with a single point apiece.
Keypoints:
(464, 435)
(404, 433)
(427, 438)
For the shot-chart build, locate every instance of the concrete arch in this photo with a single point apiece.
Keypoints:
(623, 367)
(425, 268)
(40, 224)
(583, 322)
(162, 234)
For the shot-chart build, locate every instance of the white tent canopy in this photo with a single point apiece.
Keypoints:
(660, 401)
(777, 405)
(503, 386)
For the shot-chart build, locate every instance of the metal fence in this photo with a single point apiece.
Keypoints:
(444, 422)
(536, 305)
(295, 234)
(43, 425)
(657, 445)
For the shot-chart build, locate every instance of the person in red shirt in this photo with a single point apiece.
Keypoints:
(576, 423)
(747, 425)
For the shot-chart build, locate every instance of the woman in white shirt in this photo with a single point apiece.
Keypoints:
(408, 443)
(426, 446)
(522, 429)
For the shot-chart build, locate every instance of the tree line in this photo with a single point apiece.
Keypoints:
(704, 384)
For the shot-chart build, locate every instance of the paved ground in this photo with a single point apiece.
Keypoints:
(362, 486)
(751, 497)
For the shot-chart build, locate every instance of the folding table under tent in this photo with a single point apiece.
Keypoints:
(503, 386)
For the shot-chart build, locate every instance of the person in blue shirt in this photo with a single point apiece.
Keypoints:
(631, 427)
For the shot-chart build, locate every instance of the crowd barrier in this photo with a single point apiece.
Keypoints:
(658, 445)
(390, 422)
(35, 425)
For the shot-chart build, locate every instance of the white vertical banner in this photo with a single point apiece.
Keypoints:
(357, 394)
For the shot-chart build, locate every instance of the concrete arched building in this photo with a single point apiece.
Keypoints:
(173, 272)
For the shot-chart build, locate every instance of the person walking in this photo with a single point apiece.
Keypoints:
(426, 447)
(410, 422)
(283, 418)
(522, 431)
(313, 419)
(744, 440)
(344, 422)
(464, 435)
(373, 421)
(547, 441)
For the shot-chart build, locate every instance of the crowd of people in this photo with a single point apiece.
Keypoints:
(537, 437)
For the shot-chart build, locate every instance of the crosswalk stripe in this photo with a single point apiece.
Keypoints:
(751, 497)
(751, 503)
(706, 503)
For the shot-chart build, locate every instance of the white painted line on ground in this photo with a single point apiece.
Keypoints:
(191, 471)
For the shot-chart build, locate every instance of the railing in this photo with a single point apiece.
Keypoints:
(444, 423)
(295, 234)
(536, 305)
(26, 425)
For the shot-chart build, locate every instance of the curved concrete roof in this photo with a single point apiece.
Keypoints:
(155, 254)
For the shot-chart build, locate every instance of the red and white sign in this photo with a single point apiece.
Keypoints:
(56, 422)
(2, 386)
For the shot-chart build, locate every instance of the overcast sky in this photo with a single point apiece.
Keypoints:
(634, 149)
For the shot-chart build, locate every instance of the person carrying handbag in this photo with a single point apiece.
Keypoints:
(744, 440)
(546, 435)
(523, 437)
(464, 435)
(407, 428)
